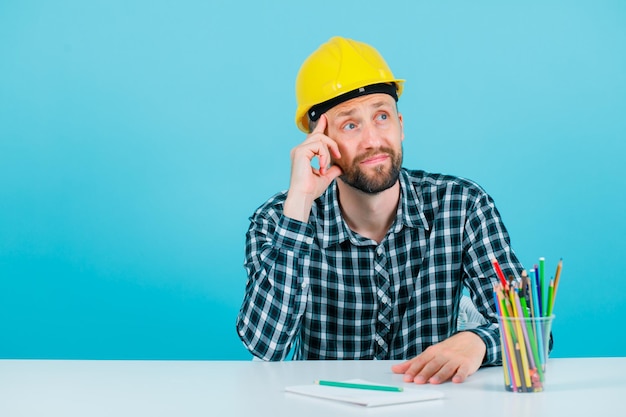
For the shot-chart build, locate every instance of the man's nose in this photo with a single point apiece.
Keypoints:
(370, 136)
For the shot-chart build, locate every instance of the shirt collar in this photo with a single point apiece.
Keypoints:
(412, 203)
(335, 230)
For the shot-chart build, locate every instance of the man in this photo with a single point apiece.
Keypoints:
(362, 258)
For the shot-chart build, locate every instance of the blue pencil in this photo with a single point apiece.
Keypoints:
(538, 286)
(536, 309)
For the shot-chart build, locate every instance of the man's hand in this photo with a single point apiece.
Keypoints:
(455, 358)
(307, 182)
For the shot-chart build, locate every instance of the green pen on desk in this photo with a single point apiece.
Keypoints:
(359, 386)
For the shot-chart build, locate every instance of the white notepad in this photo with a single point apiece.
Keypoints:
(367, 398)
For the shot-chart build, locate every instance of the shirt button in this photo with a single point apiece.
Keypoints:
(303, 285)
(384, 300)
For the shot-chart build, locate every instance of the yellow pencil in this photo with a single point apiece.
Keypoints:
(508, 337)
(518, 316)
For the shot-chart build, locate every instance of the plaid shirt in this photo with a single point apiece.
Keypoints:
(329, 293)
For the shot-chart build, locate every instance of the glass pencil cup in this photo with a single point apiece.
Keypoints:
(525, 348)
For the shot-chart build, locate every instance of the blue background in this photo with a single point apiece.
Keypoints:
(136, 138)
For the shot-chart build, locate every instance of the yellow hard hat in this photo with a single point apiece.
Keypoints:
(337, 71)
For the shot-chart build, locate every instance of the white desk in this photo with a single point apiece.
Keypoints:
(575, 387)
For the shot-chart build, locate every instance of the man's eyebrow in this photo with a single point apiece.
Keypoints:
(380, 104)
(345, 113)
(349, 112)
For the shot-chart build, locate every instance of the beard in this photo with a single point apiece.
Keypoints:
(381, 177)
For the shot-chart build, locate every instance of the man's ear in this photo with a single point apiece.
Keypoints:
(401, 125)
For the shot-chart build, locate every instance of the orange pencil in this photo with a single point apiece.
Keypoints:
(557, 277)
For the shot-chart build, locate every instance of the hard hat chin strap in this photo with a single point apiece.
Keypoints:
(387, 88)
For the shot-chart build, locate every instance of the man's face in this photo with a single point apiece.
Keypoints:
(369, 133)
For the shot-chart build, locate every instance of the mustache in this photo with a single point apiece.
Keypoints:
(374, 152)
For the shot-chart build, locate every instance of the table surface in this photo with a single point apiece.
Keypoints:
(574, 387)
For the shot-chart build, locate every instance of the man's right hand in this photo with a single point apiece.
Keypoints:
(307, 182)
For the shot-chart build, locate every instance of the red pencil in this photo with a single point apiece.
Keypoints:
(496, 266)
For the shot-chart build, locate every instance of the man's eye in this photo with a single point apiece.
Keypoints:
(349, 126)
(383, 116)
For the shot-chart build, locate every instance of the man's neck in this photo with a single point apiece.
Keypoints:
(370, 215)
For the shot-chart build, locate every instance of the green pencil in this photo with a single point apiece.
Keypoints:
(543, 282)
(359, 386)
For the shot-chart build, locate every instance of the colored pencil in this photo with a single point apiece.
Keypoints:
(550, 298)
(509, 345)
(519, 337)
(544, 286)
(499, 272)
(538, 284)
(557, 277)
(359, 386)
(532, 340)
(506, 359)
(535, 293)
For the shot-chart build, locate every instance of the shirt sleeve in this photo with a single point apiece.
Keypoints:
(485, 238)
(275, 294)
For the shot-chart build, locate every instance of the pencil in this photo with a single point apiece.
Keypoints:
(534, 287)
(519, 338)
(544, 286)
(509, 347)
(550, 297)
(530, 331)
(557, 277)
(359, 386)
(499, 272)
(538, 286)
(506, 361)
